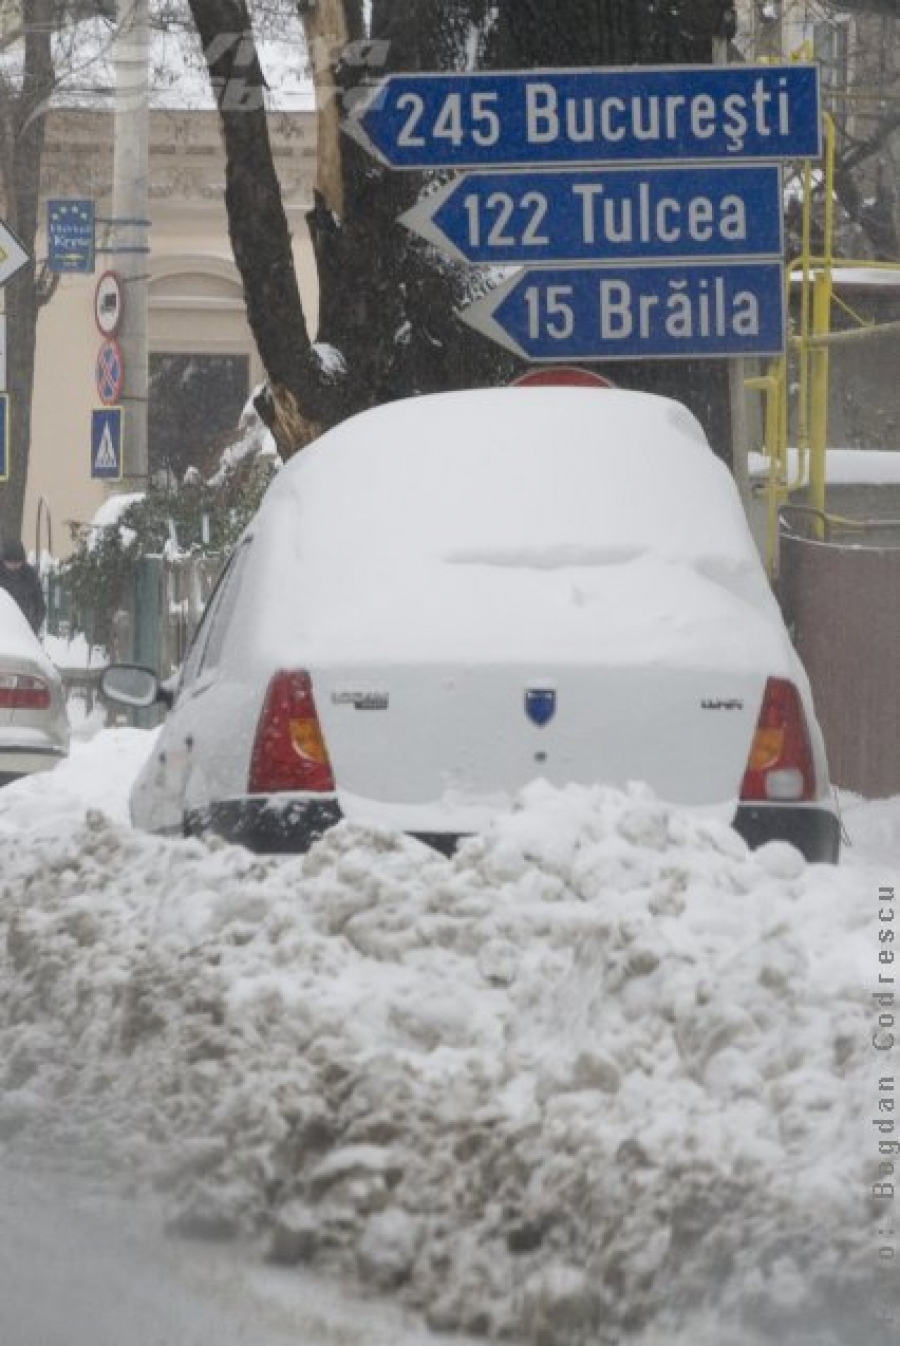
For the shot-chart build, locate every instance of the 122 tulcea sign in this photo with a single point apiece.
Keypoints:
(609, 313)
(639, 113)
(591, 215)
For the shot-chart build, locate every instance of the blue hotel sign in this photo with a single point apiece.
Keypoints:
(70, 235)
(537, 118)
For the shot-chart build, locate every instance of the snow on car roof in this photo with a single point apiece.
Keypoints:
(541, 477)
(17, 640)
(501, 523)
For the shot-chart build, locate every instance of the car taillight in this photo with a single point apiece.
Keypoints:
(780, 767)
(289, 752)
(20, 691)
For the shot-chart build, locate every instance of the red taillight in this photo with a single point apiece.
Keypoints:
(780, 767)
(289, 752)
(19, 691)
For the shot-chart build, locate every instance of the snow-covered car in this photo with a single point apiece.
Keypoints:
(447, 597)
(34, 725)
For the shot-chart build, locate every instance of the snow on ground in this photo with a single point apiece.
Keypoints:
(603, 1077)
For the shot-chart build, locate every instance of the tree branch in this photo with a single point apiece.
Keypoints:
(258, 226)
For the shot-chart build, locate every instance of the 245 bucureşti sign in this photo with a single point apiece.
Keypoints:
(645, 186)
(656, 114)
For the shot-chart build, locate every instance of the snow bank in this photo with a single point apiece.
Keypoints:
(843, 467)
(604, 1073)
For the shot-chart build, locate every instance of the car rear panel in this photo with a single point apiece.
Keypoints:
(408, 734)
(32, 739)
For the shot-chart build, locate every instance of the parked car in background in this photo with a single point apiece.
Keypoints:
(447, 597)
(34, 726)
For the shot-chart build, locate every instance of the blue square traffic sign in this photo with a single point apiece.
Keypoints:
(106, 443)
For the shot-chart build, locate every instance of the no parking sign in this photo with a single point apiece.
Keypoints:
(109, 373)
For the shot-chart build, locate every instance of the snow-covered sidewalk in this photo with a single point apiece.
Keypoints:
(605, 1076)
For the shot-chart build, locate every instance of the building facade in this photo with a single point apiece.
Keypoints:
(201, 355)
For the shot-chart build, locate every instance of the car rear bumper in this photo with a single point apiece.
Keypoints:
(816, 832)
(264, 825)
(294, 825)
(16, 760)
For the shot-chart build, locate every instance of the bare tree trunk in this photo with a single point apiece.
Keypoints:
(260, 236)
(327, 34)
(20, 164)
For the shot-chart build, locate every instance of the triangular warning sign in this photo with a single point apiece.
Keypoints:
(105, 459)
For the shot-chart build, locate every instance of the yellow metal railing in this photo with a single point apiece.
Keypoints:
(810, 348)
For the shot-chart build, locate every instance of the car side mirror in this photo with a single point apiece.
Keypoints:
(130, 685)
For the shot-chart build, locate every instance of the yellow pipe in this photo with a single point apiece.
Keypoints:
(770, 385)
(871, 332)
(803, 357)
(821, 325)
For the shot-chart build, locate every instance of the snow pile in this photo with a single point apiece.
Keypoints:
(603, 1071)
(73, 652)
(843, 467)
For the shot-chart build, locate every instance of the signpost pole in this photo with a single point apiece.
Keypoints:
(128, 249)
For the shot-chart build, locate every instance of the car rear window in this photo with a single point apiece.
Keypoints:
(532, 477)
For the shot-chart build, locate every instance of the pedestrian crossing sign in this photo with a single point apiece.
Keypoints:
(4, 436)
(106, 443)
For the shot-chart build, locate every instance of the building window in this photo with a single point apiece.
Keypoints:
(195, 402)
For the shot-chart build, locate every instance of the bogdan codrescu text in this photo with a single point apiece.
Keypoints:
(655, 118)
(884, 1040)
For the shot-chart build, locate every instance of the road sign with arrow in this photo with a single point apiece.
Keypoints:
(13, 255)
(612, 214)
(615, 313)
(652, 114)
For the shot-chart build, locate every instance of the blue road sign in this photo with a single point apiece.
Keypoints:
(106, 443)
(4, 436)
(628, 312)
(614, 214)
(109, 373)
(70, 235)
(634, 114)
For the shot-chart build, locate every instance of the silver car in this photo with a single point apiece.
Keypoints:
(34, 726)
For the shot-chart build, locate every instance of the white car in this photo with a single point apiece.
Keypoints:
(34, 726)
(447, 597)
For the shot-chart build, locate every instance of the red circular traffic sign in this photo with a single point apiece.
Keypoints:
(108, 303)
(109, 373)
(565, 376)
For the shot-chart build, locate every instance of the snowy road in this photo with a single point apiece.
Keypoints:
(84, 1268)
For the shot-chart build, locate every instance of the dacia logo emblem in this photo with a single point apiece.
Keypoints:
(540, 704)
